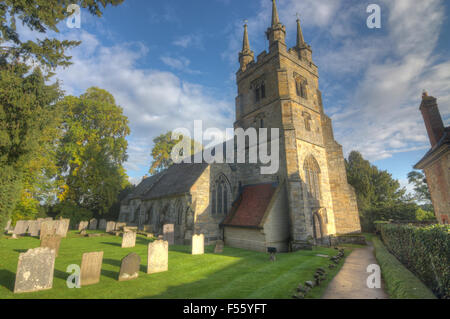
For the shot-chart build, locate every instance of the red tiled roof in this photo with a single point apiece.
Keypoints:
(254, 202)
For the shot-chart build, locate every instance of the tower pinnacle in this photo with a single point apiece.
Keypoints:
(277, 31)
(246, 55)
(275, 18)
(300, 39)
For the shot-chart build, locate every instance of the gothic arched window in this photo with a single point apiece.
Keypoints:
(312, 177)
(220, 201)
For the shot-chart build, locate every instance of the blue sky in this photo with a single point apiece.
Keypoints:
(170, 62)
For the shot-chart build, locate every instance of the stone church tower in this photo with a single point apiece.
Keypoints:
(307, 201)
(281, 90)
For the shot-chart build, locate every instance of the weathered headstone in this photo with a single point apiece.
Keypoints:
(198, 244)
(8, 224)
(61, 227)
(93, 224)
(48, 227)
(219, 247)
(21, 227)
(110, 226)
(129, 239)
(158, 256)
(102, 224)
(129, 268)
(52, 242)
(120, 226)
(34, 228)
(35, 270)
(168, 233)
(91, 267)
(83, 225)
(130, 228)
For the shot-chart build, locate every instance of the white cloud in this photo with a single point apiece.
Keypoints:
(179, 64)
(154, 101)
(190, 40)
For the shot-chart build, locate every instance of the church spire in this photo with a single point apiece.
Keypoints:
(245, 42)
(300, 39)
(275, 18)
(246, 55)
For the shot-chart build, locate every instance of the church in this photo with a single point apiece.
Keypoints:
(308, 201)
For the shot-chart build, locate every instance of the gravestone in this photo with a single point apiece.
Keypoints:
(21, 227)
(129, 268)
(130, 228)
(219, 247)
(61, 227)
(35, 270)
(93, 224)
(8, 224)
(110, 227)
(168, 233)
(52, 242)
(34, 228)
(102, 224)
(129, 239)
(91, 267)
(198, 244)
(83, 225)
(120, 226)
(158, 257)
(47, 228)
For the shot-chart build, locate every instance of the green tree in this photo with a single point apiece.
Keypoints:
(92, 150)
(421, 191)
(24, 98)
(162, 149)
(379, 196)
(40, 16)
(27, 111)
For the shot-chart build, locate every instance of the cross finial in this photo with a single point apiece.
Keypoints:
(245, 21)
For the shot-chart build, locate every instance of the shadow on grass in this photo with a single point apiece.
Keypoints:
(7, 279)
(112, 244)
(112, 262)
(110, 274)
(60, 274)
(20, 250)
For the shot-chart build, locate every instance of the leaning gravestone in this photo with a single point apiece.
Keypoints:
(35, 270)
(93, 224)
(102, 224)
(129, 268)
(168, 233)
(219, 247)
(34, 228)
(21, 227)
(61, 227)
(129, 239)
(158, 257)
(52, 242)
(8, 224)
(110, 227)
(198, 244)
(91, 267)
(83, 225)
(47, 228)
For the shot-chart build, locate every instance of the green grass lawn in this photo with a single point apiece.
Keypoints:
(236, 273)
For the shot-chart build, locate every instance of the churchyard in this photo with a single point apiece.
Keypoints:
(219, 272)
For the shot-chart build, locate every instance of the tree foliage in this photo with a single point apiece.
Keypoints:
(41, 16)
(421, 191)
(92, 150)
(27, 118)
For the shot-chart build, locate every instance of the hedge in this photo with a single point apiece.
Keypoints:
(423, 250)
(400, 282)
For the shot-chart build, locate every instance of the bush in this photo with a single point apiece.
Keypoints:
(392, 211)
(400, 282)
(73, 212)
(423, 250)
